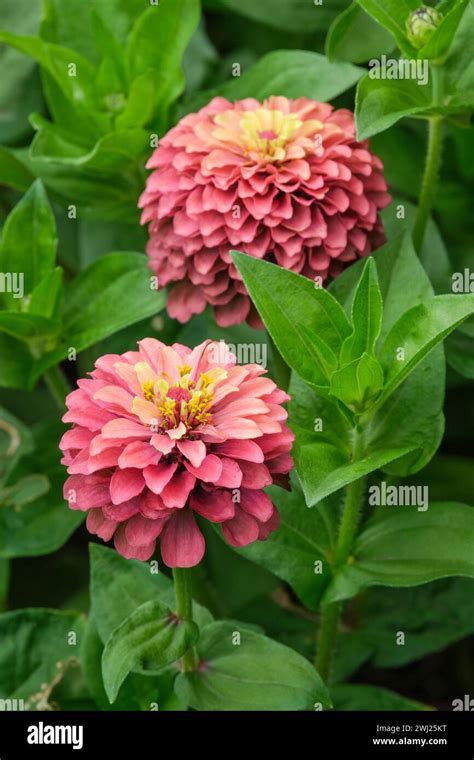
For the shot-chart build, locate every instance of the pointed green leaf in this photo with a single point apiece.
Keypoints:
(119, 586)
(402, 546)
(366, 314)
(358, 383)
(354, 36)
(255, 674)
(147, 640)
(291, 307)
(417, 332)
(28, 244)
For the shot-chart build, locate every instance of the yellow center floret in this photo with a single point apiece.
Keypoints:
(186, 401)
(262, 133)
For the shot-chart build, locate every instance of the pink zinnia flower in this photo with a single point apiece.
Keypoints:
(164, 433)
(285, 180)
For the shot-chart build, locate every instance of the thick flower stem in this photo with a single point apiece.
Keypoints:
(57, 385)
(331, 613)
(433, 163)
(184, 611)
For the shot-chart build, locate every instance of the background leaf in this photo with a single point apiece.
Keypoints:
(402, 546)
(256, 674)
(34, 641)
(148, 640)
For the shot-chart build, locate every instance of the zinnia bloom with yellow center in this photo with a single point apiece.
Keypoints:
(166, 433)
(285, 180)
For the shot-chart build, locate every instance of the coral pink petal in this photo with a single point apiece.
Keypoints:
(162, 443)
(269, 526)
(216, 506)
(121, 428)
(138, 454)
(209, 471)
(99, 525)
(182, 543)
(143, 552)
(175, 494)
(194, 451)
(248, 450)
(231, 475)
(125, 484)
(256, 503)
(140, 532)
(241, 530)
(157, 477)
(255, 475)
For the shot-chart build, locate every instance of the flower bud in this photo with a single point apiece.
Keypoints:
(421, 25)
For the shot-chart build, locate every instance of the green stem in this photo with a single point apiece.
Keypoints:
(280, 367)
(57, 385)
(433, 162)
(331, 613)
(184, 611)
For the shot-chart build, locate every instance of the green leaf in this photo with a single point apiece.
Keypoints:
(358, 383)
(412, 417)
(34, 518)
(417, 332)
(140, 102)
(460, 350)
(119, 586)
(402, 280)
(76, 27)
(393, 15)
(403, 433)
(158, 40)
(35, 652)
(28, 244)
(149, 639)
(440, 42)
(298, 552)
(112, 293)
(433, 617)
(13, 172)
(257, 674)
(381, 102)
(56, 60)
(459, 66)
(448, 478)
(402, 546)
(17, 363)
(46, 296)
(27, 326)
(356, 37)
(4, 582)
(113, 151)
(16, 440)
(291, 307)
(292, 15)
(138, 692)
(349, 697)
(366, 314)
(112, 52)
(20, 91)
(434, 256)
(292, 73)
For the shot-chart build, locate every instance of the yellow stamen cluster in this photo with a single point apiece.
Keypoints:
(148, 391)
(194, 408)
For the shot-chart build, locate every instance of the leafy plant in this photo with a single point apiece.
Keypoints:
(376, 528)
